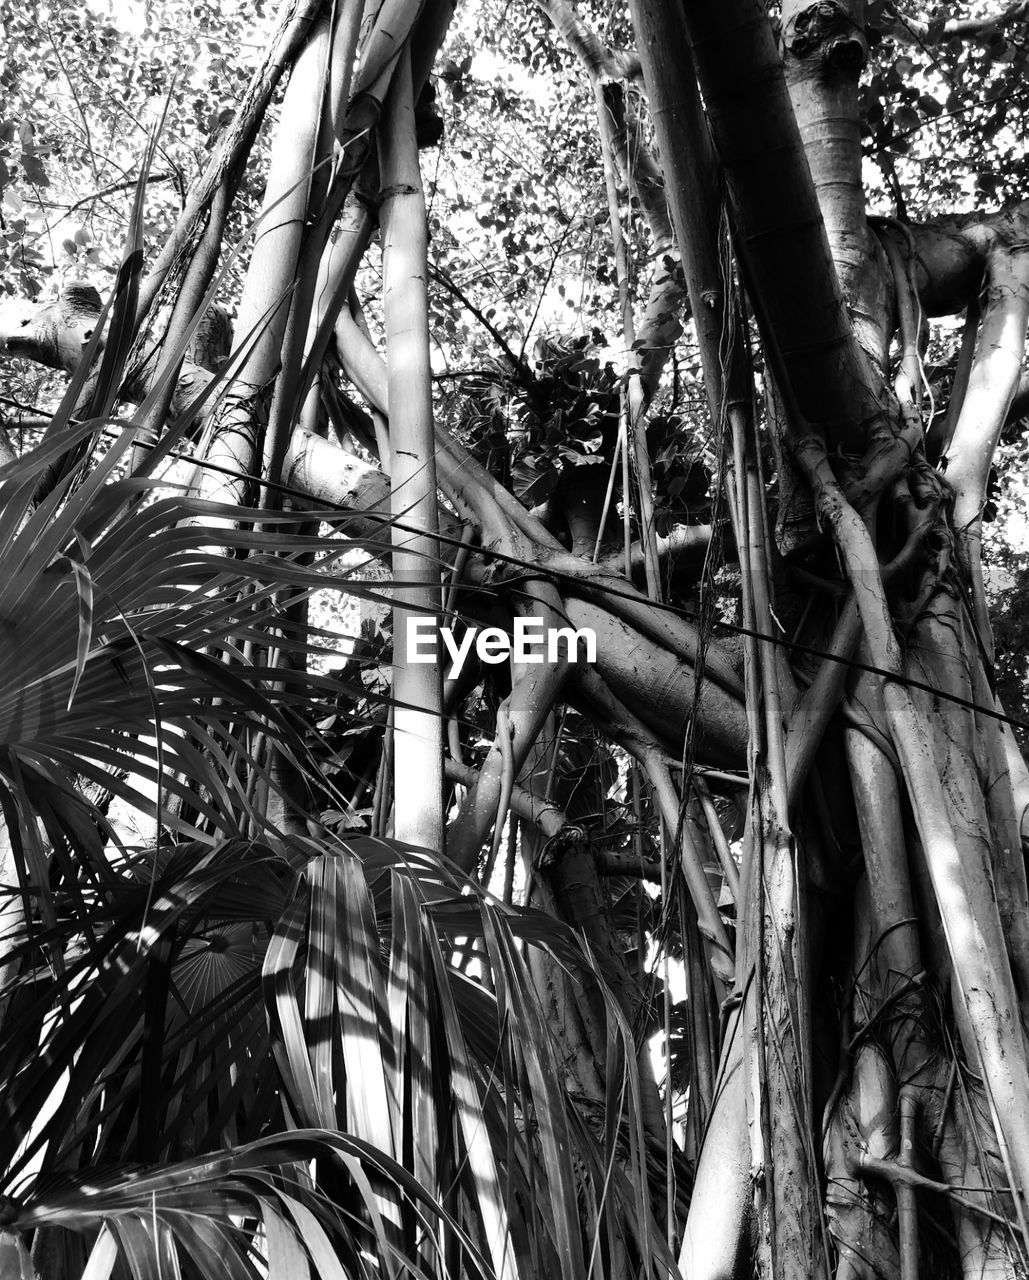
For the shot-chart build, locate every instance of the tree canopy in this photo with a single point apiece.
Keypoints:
(698, 328)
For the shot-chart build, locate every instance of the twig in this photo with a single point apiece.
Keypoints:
(898, 1174)
(518, 364)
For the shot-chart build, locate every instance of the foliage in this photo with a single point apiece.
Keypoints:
(83, 85)
(272, 1039)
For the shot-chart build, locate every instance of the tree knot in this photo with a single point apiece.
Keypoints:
(397, 189)
(569, 839)
(827, 26)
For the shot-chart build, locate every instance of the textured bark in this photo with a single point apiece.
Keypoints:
(694, 200)
(532, 700)
(55, 334)
(881, 912)
(787, 257)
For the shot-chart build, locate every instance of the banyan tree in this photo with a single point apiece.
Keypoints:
(707, 957)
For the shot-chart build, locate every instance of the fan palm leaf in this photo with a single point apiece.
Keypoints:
(222, 1055)
(113, 615)
(447, 1143)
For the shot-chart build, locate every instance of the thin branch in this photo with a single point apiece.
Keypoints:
(518, 363)
(112, 188)
(925, 32)
(899, 1175)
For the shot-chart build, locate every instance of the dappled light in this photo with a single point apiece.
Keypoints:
(512, 564)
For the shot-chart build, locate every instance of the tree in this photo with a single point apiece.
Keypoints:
(379, 993)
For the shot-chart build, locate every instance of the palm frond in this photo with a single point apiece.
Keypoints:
(445, 1142)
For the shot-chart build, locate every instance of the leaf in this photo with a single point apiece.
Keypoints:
(372, 1102)
(121, 329)
(906, 119)
(316, 1242)
(102, 1257)
(532, 486)
(84, 591)
(32, 168)
(286, 1259)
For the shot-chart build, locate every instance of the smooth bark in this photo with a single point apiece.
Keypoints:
(417, 688)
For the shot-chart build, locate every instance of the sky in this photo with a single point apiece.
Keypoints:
(128, 15)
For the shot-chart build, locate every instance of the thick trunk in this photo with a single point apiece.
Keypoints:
(786, 253)
(880, 914)
(833, 398)
(993, 380)
(824, 53)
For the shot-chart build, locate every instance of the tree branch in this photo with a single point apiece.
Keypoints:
(923, 31)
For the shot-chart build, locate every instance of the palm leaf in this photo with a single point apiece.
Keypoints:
(108, 678)
(480, 1153)
(303, 989)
